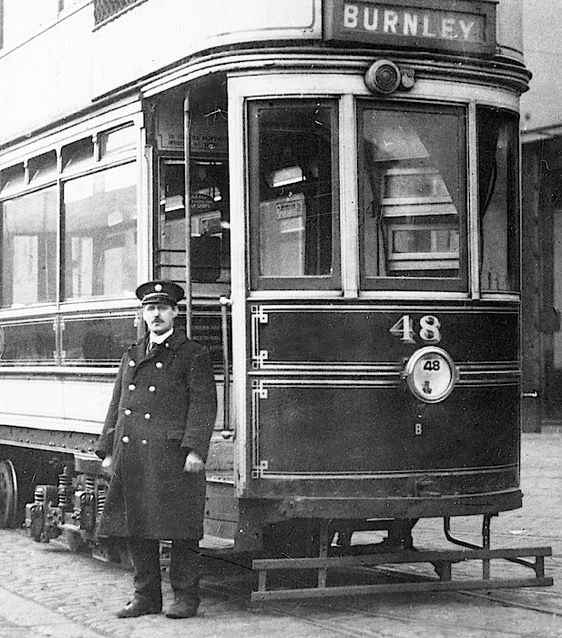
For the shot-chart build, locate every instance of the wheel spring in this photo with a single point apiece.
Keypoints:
(65, 490)
(100, 500)
(90, 483)
(39, 494)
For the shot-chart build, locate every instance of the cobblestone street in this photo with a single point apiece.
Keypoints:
(45, 590)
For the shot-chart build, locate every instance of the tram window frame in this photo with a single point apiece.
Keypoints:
(52, 172)
(436, 222)
(498, 200)
(38, 255)
(117, 237)
(256, 175)
(210, 224)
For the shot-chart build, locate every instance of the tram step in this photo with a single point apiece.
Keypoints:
(444, 559)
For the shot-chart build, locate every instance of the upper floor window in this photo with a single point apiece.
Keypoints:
(293, 194)
(412, 185)
(105, 9)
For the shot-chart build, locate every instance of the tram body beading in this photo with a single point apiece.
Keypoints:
(361, 210)
(334, 376)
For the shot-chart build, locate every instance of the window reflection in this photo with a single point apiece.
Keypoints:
(292, 186)
(28, 343)
(29, 249)
(412, 185)
(498, 200)
(100, 234)
(97, 340)
(210, 222)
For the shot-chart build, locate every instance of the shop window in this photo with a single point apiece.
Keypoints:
(293, 194)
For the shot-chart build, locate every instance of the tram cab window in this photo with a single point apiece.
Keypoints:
(293, 168)
(210, 222)
(412, 187)
(100, 211)
(498, 200)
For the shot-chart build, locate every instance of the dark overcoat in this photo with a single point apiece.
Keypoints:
(163, 405)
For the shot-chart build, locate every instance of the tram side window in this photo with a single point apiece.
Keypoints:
(293, 201)
(210, 222)
(412, 185)
(100, 237)
(29, 248)
(498, 200)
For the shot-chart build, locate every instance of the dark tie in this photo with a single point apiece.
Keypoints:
(151, 344)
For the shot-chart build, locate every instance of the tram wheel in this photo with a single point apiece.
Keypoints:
(8, 494)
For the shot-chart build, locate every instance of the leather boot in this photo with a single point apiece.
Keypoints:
(184, 578)
(183, 608)
(138, 607)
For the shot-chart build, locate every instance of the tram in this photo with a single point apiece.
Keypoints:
(336, 185)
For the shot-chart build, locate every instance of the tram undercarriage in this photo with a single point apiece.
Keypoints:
(289, 537)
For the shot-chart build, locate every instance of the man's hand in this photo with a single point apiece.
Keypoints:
(193, 463)
(106, 465)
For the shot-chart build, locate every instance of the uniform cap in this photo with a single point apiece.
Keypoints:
(160, 291)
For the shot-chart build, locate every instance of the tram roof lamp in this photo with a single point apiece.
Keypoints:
(385, 77)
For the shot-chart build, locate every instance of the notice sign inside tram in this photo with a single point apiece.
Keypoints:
(463, 26)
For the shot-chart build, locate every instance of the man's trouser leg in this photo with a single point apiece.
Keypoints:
(185, 570)
(145, 555)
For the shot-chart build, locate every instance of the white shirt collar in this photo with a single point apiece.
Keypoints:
(160, 338)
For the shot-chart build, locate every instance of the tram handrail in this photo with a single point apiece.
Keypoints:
(225, 303)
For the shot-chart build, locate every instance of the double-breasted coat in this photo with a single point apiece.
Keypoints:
(163, 405)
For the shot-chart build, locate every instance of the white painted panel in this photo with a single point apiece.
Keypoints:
(58, 404)
(161, 32)
(68, 405)
(47, 75)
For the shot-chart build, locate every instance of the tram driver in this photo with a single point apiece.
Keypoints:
(154, 445)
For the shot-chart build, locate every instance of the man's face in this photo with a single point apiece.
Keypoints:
(159, 317)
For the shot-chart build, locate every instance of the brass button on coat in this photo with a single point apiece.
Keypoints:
(152, 388)
(147, 416)
(132, 386)
(125, 439)
(128, 412)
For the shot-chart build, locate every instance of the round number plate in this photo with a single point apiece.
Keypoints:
(430, 374)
